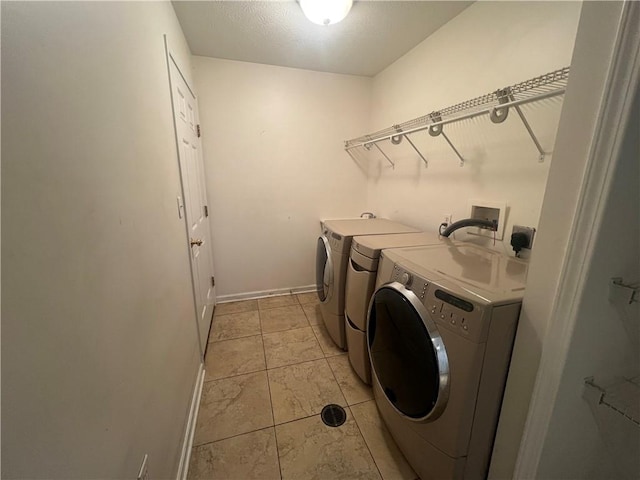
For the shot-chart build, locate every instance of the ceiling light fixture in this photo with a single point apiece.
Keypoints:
(325, 12)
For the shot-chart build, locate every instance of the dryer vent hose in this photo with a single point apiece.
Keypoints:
(470, 222)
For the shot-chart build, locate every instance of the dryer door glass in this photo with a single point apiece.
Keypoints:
(407, 354)
(324, 270)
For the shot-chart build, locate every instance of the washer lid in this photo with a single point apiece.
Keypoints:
(372, 245)
(489, 275)
(366, 226)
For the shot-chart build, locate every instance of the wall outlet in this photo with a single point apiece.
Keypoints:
(143, 473)
(447, 218)
(529, 232)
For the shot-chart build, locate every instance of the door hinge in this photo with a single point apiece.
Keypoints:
(213, 281)
(206, 211)
(198, 130)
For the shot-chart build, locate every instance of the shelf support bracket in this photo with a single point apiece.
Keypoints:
(426, 163)
(436, 129)
(541, 152)
(500, 114)
(592, 393)
(368, 147)
(396, 139)
(351, 155)
(620, 292)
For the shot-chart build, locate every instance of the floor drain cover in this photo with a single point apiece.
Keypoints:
(333, 415)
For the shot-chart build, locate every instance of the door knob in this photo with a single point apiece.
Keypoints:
(196, 242)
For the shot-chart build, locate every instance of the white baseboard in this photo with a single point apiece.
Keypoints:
(187, 443)
(265, 293)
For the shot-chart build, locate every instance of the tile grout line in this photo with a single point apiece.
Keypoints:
(234, 436)
(237, 374)
(231, 338)
(273, 418)
(286, 330)
(305, 313)
(356, 421)
(298, 304)
(362, 401)
(338, 383)
(281, 306)
(326, 355)
(266, 369)
(308, 325)
(262, 333)
(273, 426)
(294, 328)
(234, 338)
(296, 364)
(234, 313)
(234, 375)
(301, 418)
(264, 428)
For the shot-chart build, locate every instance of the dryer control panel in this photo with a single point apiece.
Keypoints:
(338, 243)
(446, 309)
(414, 283)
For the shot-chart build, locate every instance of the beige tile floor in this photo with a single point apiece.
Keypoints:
(270, 368)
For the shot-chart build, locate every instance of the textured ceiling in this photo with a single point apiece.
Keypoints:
(374, 34)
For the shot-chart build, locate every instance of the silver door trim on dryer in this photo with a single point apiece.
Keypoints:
(438, 347)
(326, 283)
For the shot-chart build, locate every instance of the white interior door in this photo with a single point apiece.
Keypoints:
(185, 112)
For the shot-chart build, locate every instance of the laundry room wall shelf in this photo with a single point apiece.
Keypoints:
(623, 398)
(616, 412)
(495, 104)
(615, 406)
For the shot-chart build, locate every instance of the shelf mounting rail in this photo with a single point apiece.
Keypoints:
(495, 104)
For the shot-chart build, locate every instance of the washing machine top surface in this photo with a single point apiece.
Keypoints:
(372, 245)
(366, 226)
(487, 276)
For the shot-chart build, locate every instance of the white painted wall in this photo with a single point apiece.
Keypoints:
(272, 143)
(488, 46)
(99, 345)
(604, 343)
(590, 235)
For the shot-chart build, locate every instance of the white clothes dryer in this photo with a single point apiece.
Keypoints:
(440, 332)
(360, 283)
(331, 265)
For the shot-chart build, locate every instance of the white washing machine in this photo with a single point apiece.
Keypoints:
(360, 283)
(331, 265)
(440, 332)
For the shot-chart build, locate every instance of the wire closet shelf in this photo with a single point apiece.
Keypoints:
(495, 104)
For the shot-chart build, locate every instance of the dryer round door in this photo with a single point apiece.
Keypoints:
(408, 356)
(324, 270)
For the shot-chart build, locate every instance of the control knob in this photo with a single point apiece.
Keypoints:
(405, 279)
